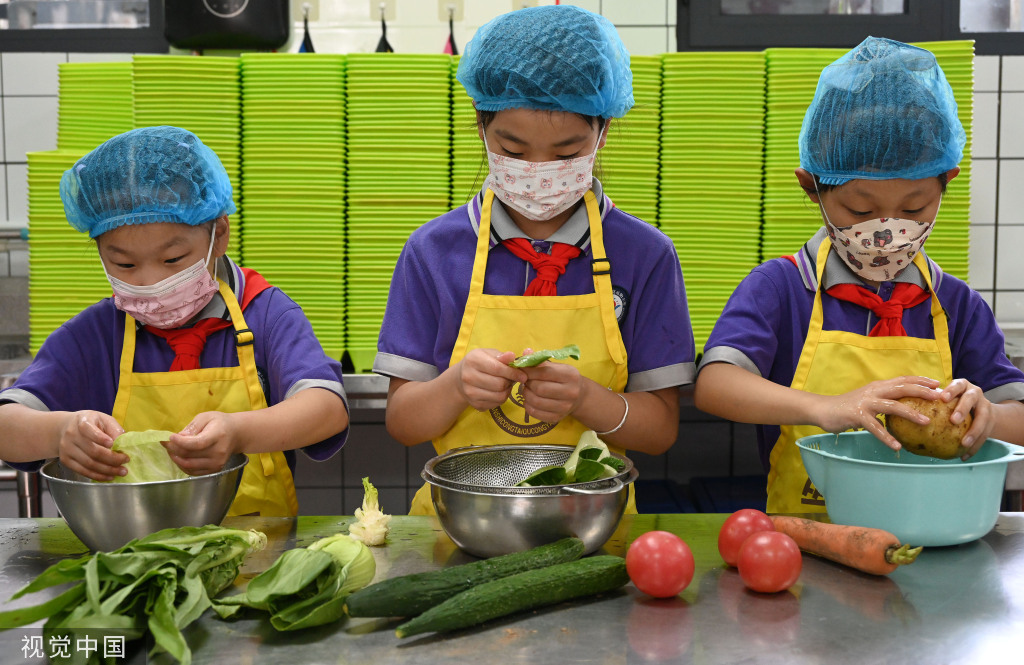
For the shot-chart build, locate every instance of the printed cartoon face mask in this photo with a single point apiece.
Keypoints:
(879, 249)
(170, 302)
(540, 190)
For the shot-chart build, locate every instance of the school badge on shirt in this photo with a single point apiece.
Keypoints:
(621, 298)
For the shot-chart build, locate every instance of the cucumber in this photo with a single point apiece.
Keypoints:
(522, 591)
(410, 595)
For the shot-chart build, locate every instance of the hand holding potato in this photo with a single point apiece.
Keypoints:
(860, 408)
(961, 419)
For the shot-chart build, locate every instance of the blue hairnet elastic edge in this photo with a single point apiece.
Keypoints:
(137, 218)
(530, 104)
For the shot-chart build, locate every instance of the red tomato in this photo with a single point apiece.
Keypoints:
(769, 561)
(660, 564)
(737, 528)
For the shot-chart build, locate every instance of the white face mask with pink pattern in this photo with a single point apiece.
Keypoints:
(171, 302)
(540, 190)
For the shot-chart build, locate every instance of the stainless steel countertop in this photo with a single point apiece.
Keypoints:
(954, 605)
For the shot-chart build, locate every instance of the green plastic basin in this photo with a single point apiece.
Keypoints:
(920, 500)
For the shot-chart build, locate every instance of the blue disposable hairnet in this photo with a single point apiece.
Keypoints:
(884, 110)
(554, 57)
(152, 174)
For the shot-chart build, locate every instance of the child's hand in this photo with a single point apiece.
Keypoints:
(206, 443)
(485, 380)
(552, 391)
(85, 442)
(973, 401)
(860, 408)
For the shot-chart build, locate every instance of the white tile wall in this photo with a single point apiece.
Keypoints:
(17, 193)
(983, 191)
(1009, 267)
(986, 117)
(3, 193)
(631, 12)
(644, 40)
(986, 73)
(982, 256)
(99, 57)
(1013, 73)
(31, 73)
(1011, 192)
(1011, 129)
(30, 125)
(1010, 307)
(3, 149)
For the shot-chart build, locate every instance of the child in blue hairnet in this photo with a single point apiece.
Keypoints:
(829, 338)
(189, 342)
(539, 259)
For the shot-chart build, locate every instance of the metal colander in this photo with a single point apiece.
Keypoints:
(498, 469)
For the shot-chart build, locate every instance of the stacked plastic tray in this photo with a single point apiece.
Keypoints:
(293, 182)
(95, 103)
(65, 273)
(200, 94)
(469, 168)
(790, 218)
(711, 157)
(630, 161)
(949, 243)
(399, 124)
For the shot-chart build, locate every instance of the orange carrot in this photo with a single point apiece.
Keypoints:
(869, 550)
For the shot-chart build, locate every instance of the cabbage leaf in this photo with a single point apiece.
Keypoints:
(148, 460)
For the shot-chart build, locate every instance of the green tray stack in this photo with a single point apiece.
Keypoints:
(399, 124)
(95, 103)
(711, 158)
(293, 182)
(629, 163)
(948, 245)
(469, 168)
(65, 274)
(198, 93)
(790, 218)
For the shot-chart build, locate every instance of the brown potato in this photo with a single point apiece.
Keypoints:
(939, 438)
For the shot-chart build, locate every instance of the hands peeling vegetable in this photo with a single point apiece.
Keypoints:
(148, 460)
(537, 357)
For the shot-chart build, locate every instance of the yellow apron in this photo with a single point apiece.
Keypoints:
(833, 362)
(169, 401)
(538, 322)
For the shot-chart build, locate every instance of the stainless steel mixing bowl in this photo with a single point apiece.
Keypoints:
(105, 516)
(480, 508)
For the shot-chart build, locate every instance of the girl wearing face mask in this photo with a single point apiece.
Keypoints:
(189, 342)
(829, 338)
(540, 258)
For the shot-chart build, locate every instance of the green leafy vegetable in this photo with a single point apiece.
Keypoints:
(537, 357)
(160, 583)
(371, 525)
(590, 460)
(306, 586)
(148, 460)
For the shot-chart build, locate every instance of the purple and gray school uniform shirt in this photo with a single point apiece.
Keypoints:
(78, 366)
(430, 287)
(764, 325)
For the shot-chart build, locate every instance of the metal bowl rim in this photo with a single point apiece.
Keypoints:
(228, 468)
(429, 476)
(443, 484)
